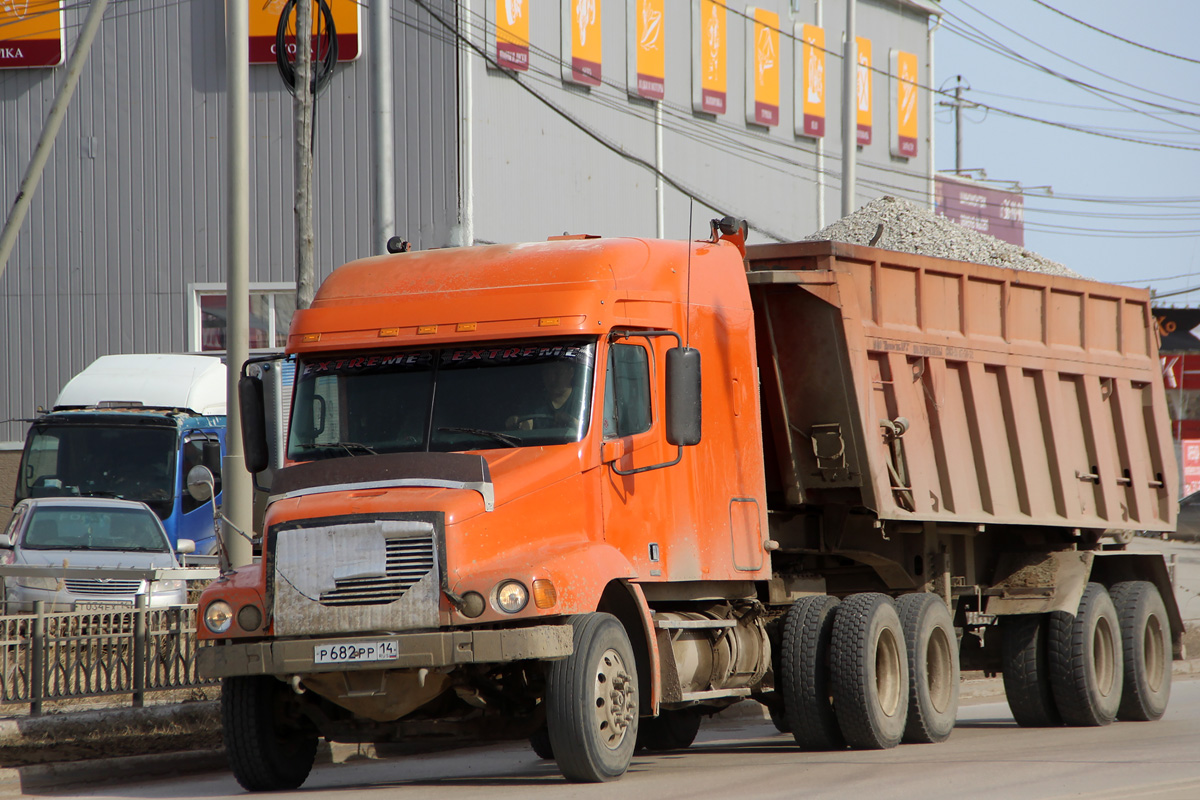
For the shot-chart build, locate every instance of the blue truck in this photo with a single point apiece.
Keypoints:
(131, 426)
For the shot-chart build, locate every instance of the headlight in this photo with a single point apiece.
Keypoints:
(162, 587)
(45, 584)
(218, 616)
(511, 596)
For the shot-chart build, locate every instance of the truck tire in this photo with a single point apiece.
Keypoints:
(539, 740)
(1025, 659)
(269, 743)
(869, 672)
(933, 668)
(1146, 640)
(592, 702)
(1086, 660)
(672, 729)
(804, 674)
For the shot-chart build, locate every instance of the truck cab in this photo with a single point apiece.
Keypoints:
(131, 426)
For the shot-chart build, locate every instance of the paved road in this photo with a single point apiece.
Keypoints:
(987, 757)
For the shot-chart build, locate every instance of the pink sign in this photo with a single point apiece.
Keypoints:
(1191, 465)
(982, 208)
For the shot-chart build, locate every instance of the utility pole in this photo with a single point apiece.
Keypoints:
(383, 142)
(958, 105)
(238, 500)
(958, 159)
(849, 112)
(58, 110)
(302, 107)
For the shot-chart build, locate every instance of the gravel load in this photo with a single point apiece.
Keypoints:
(908, 228)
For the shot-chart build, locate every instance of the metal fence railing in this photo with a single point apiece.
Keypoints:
(47, 657)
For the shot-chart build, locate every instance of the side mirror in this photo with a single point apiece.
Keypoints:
(254, 423)
(200, 483)
(185, 547)
(683, 396)
(5, 542)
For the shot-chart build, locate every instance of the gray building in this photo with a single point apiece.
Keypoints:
(124, 248)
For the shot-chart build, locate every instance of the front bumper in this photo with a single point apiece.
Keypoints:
(415, 650)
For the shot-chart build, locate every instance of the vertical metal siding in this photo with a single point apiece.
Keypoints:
(536, 174)
(111, 243)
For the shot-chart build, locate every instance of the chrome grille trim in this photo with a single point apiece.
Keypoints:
(99, 587)
(408, 560)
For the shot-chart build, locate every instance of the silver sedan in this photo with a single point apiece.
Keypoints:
(89, 532)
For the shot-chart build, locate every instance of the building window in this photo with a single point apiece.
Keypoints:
(271, 309)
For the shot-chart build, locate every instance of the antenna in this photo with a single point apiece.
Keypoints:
(687, 311)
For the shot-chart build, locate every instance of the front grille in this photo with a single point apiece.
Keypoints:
(108, 588)
(408, 560)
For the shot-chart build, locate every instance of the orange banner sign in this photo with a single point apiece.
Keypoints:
(902, 108)
(581, 41)
(512, 33)
(31, 33)
(709, 53)
(762, 66)
(864, 90)
(647, 48)
(264, 21)
(810, 81)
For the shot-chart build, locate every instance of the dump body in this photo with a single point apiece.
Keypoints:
(926, 389)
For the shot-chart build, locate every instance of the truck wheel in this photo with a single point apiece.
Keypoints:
(1145, 635)
(672, 729)
(807, 695)
(1024, 653)
(869, 672)
(539, 740)
(269, 743)
(592, 702)
(1086, 661)
(933, 670)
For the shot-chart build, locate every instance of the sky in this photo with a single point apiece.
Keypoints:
(1140, 223)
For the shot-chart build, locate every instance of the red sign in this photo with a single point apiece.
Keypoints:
(982, 208)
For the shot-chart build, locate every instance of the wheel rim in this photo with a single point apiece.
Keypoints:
(616, 699)
(887, 672)
(1154, 653)
(1103, 651)
(939, 666)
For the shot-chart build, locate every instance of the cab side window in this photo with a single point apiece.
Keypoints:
(193, 455)
(627, 391)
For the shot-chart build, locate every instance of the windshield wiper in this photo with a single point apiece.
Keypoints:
(349, 447)
(503, 438)
(101, 493)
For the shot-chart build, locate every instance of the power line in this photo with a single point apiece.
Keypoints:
(1049, 7)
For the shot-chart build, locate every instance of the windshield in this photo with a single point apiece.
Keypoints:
(474, 397)
(126, 461)
(93, 528)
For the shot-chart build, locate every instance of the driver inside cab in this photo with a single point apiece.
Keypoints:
(549, 406)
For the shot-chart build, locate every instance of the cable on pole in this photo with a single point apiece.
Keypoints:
(323, 64)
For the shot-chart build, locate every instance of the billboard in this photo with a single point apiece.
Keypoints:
(264, 21)
(986, 209)
(581, 43)
(902, 103)
(647, 49)
(31, 34)
(809, 80)
(508, 33)
(709, 53)
(863, 93)
(762, 66)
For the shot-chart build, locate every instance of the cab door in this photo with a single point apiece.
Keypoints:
(639, 518)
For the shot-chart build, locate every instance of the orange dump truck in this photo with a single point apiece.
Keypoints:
(588, 491)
